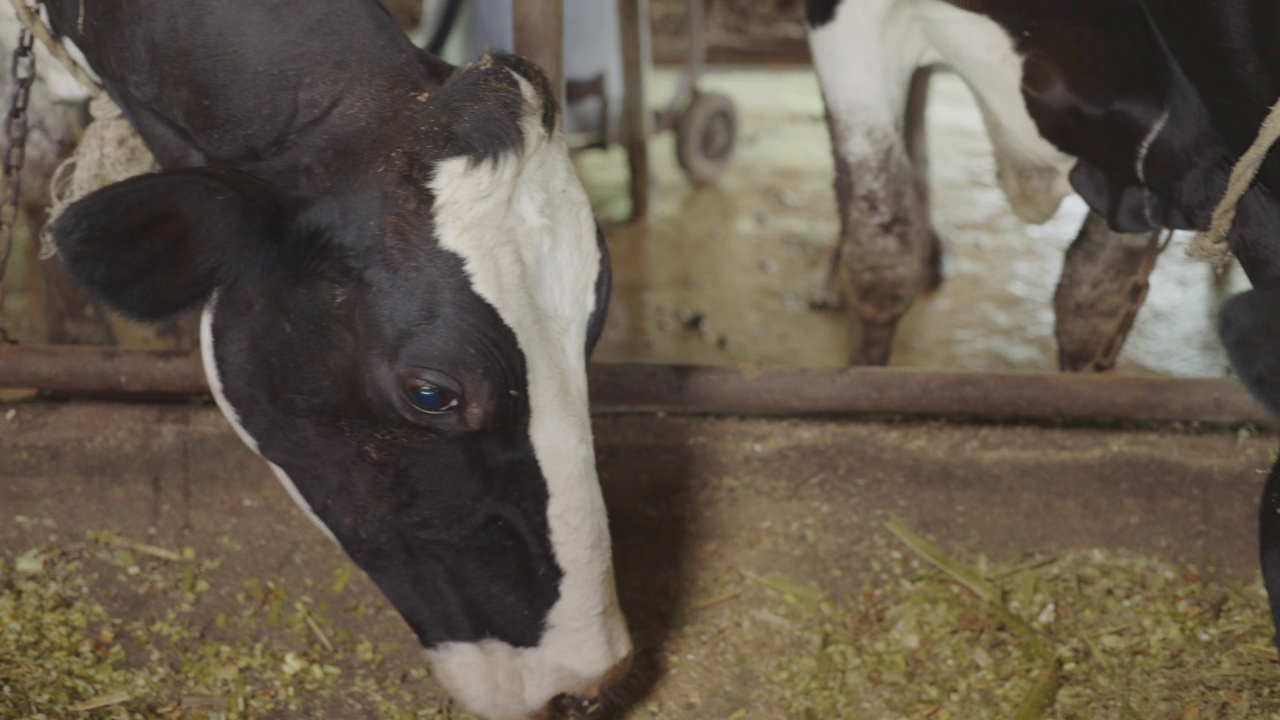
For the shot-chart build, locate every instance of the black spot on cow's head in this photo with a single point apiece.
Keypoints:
(820, 12)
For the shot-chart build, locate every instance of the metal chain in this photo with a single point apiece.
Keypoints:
(23, 71)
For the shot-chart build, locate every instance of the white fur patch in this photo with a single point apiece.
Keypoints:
(865, 58)
(524, 230)
(1032, 172)
(215, 386)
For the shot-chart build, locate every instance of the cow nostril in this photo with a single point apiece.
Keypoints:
(576, 707)
(594, 702)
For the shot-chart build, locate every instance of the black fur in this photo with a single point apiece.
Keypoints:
(1249, 324)
(448, 516)
(820, 12)
(604, 288)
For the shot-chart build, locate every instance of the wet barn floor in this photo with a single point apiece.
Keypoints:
(727, 273)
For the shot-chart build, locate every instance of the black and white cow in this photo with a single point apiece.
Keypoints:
(401, 281)
(1149, 103)
(873, 58)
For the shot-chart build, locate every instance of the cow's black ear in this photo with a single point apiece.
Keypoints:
(1122, 204)
(158, 244)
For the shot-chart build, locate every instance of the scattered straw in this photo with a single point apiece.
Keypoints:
(64, 656)
(102, 701)
(108, 538)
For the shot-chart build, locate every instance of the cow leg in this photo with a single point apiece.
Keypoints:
(886, 246)
(914, 132)
(1102, 287)
(1249, 324)
(1269, 544)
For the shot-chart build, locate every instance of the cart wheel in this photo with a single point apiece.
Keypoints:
(705, 135)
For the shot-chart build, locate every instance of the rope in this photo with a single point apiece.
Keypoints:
(1211, 245)
(110, 149)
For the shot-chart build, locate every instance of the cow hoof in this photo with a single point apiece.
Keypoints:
(870, 343)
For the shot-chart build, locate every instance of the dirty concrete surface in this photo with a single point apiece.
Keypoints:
(697, 505)
(731, 272)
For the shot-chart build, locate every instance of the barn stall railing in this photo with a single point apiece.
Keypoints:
(113, 372)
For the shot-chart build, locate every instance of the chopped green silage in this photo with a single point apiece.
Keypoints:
(1087, 635)
(63, 655)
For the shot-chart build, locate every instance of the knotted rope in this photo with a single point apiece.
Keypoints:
(110, 149)
(1211, 245)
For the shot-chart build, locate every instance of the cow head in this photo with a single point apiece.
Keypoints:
(405, 340)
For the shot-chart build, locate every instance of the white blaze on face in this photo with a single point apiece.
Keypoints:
(524, 230)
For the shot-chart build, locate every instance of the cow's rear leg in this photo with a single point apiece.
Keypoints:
(865, 54)
(1249, 324)
(887, 253)
(1103, 285)
(914, 131)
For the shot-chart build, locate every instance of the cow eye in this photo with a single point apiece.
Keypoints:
(428, 397)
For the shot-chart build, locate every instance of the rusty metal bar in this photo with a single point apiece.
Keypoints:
(731, 391)
(539, 35)
(882, 391)
(82, 369)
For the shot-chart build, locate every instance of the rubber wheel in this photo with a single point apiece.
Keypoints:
(705, 136)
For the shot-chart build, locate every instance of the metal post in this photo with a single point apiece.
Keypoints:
(637, 125)
(697, 39)
(539, 36)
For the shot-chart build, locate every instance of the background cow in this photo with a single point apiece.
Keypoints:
(873, 58)
(401, 280)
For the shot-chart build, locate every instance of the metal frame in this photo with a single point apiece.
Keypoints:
(637, 122)
(539, 36)
(731, 391)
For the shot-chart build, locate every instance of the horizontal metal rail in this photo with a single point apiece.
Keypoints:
(732, 391)
(890, 391)
(101, 370)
